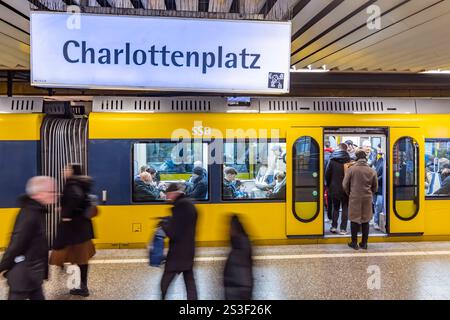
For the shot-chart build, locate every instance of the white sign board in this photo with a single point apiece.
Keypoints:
(155, 53)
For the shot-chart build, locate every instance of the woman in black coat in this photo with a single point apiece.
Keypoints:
(180, 229)
(73, 242)
(238, 272)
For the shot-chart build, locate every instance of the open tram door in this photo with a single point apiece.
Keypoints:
(304, 180)
(406, 146)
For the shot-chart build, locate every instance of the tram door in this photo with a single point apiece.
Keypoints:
(405, 174)
(304, 181)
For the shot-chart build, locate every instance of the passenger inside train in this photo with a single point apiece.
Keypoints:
(254, 170)
(339, 150)
(168, 162)
(437, 169)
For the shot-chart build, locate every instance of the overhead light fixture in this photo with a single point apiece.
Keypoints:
(310, 69)
(438, 71)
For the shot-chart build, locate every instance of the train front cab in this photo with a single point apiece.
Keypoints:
(403, 200)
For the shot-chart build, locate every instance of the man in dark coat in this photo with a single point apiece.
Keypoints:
(26, 259)
(360, 183)
(238, 272)
(334, 175)
(181, 231)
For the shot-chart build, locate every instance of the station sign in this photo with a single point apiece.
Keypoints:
(157, 53)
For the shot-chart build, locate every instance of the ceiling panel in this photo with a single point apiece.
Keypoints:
(344, 31)
(414, 34)
(219, 5)
(400, 32)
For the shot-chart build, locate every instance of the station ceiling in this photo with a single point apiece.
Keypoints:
(410, 36)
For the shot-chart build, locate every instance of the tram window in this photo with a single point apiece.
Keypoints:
(406, 190)
(254, 170)
(306, 164)
(437, 168)
(156, 164)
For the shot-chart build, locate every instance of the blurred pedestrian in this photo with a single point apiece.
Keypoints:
(180, 229)
(360, 183)
(238, 272)
(73, 241)
(26, 258)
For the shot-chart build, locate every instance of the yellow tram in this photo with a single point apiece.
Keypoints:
(415, 134)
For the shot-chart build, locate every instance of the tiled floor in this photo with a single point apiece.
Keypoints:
(415, 270)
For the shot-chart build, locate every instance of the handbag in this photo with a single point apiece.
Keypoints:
(91, 209)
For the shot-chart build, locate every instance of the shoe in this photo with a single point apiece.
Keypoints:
(80, 292)
(353, 245)
(363, 246)
(376, 227)
(333, 230)
(343, 232)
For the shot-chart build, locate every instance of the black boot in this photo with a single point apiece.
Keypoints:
(353, 245)
(83, 290)
(363, 245)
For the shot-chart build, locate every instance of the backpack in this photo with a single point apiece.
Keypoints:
(156, 248)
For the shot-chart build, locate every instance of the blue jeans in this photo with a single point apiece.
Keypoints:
(378, 201)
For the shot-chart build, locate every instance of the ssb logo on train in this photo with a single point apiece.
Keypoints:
(276, 80)
(201, 130)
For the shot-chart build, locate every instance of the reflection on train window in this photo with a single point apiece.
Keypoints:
(437, 167)
(306, 164)
(156, 164)
(254, 170)
(406, 189)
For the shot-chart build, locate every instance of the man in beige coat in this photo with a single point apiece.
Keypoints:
(360, 183)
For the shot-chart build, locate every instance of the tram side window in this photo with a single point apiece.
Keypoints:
(157, 164)
(437, 167)
(254, 170)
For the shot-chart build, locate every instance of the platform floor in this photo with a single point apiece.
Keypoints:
(417, 270)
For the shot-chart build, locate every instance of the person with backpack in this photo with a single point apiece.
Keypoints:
(73, 241)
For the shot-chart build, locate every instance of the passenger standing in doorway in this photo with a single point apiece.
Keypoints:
(378, 197)
(180, 229)
(327, 152)
(334, 176)
(26, 258)
(360, 183)
(351, 149)
(73, 242)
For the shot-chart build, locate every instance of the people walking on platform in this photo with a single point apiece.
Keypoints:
(334, 175)
(180, 229)
(26, 258)
(73, 243)
(360, 183)
(238, 271)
